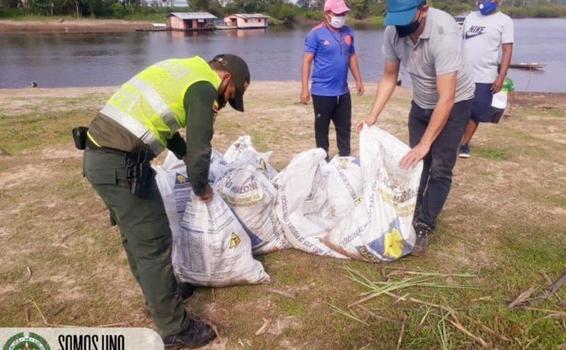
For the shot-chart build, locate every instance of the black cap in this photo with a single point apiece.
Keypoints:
(240, 73)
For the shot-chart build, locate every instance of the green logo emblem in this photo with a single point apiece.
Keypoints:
(21, 341)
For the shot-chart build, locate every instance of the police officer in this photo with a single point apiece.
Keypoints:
(138, 122)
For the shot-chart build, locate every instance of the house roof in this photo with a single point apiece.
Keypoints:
(193, 15)
(249, 15)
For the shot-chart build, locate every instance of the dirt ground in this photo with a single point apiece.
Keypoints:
(72, 26)
(503, 226)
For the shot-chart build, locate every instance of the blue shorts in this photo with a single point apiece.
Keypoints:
(482, 111)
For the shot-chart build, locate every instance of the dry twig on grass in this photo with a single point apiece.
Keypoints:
(476, 338)
(523, 297)
(401, 333)
(543, 310)
(373, 314)
(30, 273)
(557, 284)
(282, 293)
(263, 327)
(39, 311)
(421, 323)
(424, 280)
(488, 330)
(58, 311)
(346, 314)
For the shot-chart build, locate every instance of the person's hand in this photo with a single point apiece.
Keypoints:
(305, 96)
(497, 85)
(207, 195)
(360, 88)
(369, 121)
(414, 156)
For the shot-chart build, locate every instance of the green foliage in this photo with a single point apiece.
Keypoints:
(11, 13)
(283, 11)
(41, 7)
(539, 11)
(377, 9)
(119, 10)
(359, 8)
(314, 15)
(199, 5)
(280, 10)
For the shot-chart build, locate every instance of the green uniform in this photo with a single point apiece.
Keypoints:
(143, 223)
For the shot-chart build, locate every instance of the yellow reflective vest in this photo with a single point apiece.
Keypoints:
(151, 104)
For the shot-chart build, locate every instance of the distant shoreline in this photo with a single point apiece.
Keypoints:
(72, 26)
(65, 25)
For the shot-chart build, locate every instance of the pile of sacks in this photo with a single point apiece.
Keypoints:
(348, 208)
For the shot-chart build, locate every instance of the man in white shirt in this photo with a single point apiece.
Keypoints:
(486, 33)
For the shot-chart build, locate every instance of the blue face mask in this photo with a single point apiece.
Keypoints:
(487, 7)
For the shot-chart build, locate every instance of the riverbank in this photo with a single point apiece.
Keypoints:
(69, 25)
(63, 264)
(55, 25)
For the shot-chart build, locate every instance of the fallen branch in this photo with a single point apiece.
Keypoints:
(522, 298)
(26, 315)
(530, 342)
(489, 330)
(422, 302)
(476, 338)
(39, 311)
(401, 333)
(263, 327)
(421, 323)
(557, 284)
(62, 242)
(372, 314)
(542, 310)
(548, 280)
(346, 314)
(282, 293)
(431, 274)
(28, 269)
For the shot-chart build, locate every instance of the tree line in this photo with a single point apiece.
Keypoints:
(282, 10)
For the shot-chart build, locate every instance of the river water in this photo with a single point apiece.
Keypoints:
(60, 60)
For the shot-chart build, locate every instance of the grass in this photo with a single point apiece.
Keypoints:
(491, 153)
(502, 227)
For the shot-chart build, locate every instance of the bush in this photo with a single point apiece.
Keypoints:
(11, 13)
(119, 10)
(314, 15)
(284, 12)
(539, 11)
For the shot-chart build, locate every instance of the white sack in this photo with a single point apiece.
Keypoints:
(243, 152)
(380, 228)
(214, 249)
(252, 198)
(222, 239)
(302, 202)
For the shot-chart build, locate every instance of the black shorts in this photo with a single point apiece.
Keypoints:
(482, 111)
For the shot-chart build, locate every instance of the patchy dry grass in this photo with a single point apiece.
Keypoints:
(504, 222)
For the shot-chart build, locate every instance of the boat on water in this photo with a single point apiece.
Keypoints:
(527, 66)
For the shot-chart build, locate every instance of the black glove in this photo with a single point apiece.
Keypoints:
(177, 145)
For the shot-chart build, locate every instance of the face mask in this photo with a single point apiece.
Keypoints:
(337, 21)
(408, 29)
(487, 7)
